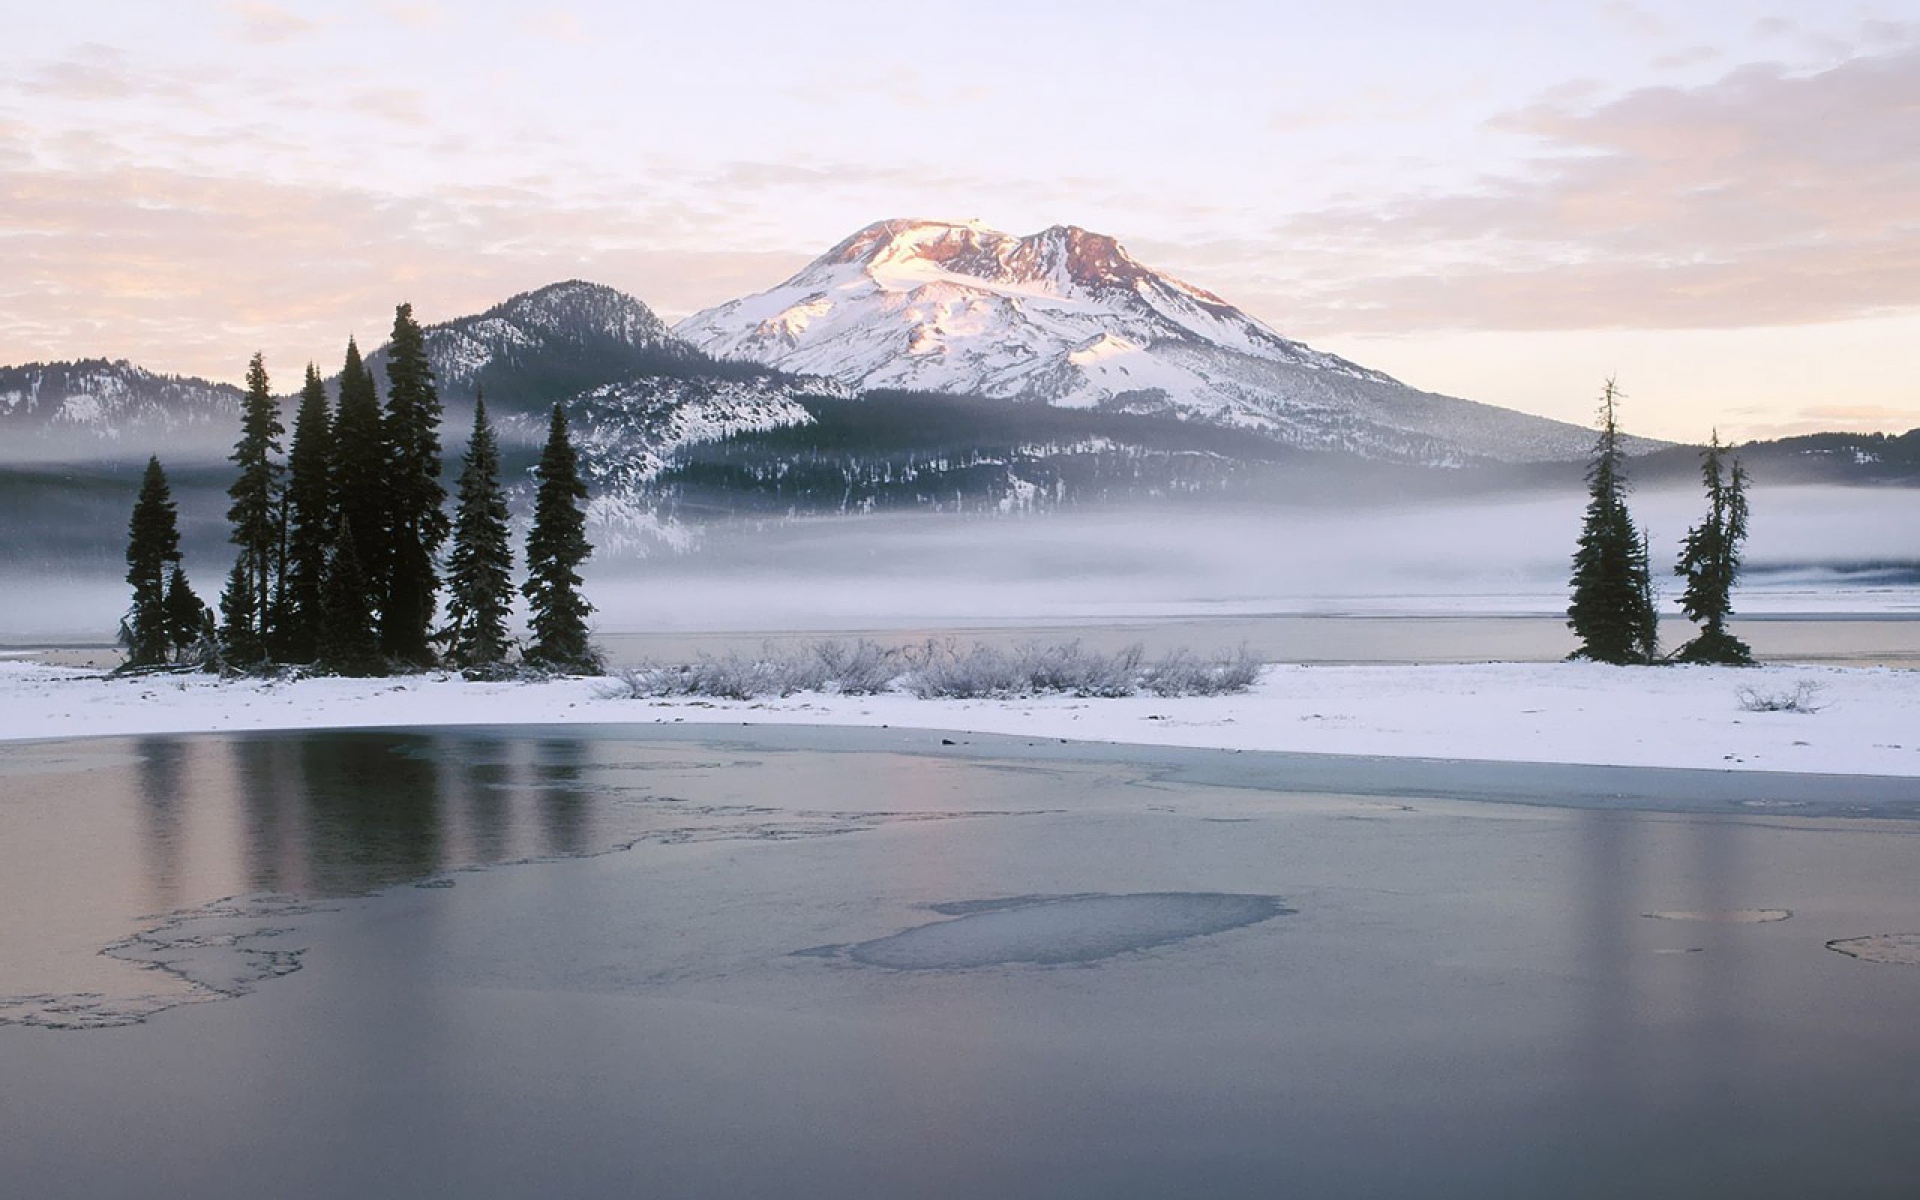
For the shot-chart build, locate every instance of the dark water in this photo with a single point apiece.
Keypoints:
(863, 964)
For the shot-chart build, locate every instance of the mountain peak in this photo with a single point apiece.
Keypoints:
(1058, 259)
(577, 309)
(536, 346)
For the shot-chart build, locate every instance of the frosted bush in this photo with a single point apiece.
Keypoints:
(1068, 668)
(1184, 673)
(943, 670)
(863, 669)
(729, 677)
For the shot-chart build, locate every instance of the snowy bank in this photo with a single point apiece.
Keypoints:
(1867, 720)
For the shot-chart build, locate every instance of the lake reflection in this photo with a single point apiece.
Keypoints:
(863, 963)
(100, 839)
(340, 814)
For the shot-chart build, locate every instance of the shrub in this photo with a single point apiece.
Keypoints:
(1805, 696)
(862, 670)
(1183, 673)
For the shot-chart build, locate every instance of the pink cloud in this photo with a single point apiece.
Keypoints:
(1762, 198)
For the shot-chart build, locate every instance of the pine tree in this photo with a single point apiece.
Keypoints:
(255, 511)
(1710, 561)
(1612, 610)
(360, 475)
(480, 568)
(153, 543)
(240, 642)
(348, 643)
(310, 520)
(556, 546)
(417, 520)
(189, 621)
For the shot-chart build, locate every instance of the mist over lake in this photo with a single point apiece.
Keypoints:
(1813, 550)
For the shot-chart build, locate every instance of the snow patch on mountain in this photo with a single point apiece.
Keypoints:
(109, 402)
(627, 432)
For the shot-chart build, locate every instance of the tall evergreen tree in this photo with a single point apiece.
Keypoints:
(255, 512)
(310, 521)
(417, 520)
(480, 568)
(360, 475)
(348, 641)
(1710, 560)
(153, 544)
(556, 546)
(1612, 610)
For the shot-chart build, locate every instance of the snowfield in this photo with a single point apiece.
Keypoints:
(1864, 721)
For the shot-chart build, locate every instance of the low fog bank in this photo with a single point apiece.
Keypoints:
(1813, 550)
(86, 449)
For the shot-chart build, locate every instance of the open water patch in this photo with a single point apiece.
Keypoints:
(1058, 930)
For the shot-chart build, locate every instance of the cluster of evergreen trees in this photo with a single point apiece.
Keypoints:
(1613, 609)
(339, 545)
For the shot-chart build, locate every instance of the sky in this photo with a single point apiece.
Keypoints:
(1718, 203)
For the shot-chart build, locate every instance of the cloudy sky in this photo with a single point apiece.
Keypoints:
(1506, 200)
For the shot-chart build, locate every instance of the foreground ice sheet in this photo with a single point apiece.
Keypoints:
(1054, 930)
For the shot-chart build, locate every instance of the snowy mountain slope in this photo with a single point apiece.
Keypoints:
(545, 345)
(627, 433)
(114, 407)
(1068, 317)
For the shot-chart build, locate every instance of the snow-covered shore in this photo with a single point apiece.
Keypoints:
(1867, 720)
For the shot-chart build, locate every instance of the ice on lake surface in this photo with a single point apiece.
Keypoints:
(1060, 929)
(1049, 970)
(1900, 948)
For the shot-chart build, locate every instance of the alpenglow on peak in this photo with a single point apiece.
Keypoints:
(1056, 258)
(951, 306)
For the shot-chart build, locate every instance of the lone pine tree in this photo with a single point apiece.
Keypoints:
(417, 523)
(556, 546)
(480, 568)
(310, 521)
(1710, 561)
(1612, 610)
(360, 475)
(153, 545)
(255, 515)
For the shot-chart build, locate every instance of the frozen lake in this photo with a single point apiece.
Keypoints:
(794, 962)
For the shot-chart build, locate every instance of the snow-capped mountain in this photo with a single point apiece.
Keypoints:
(115, 405)
(1068, 317)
